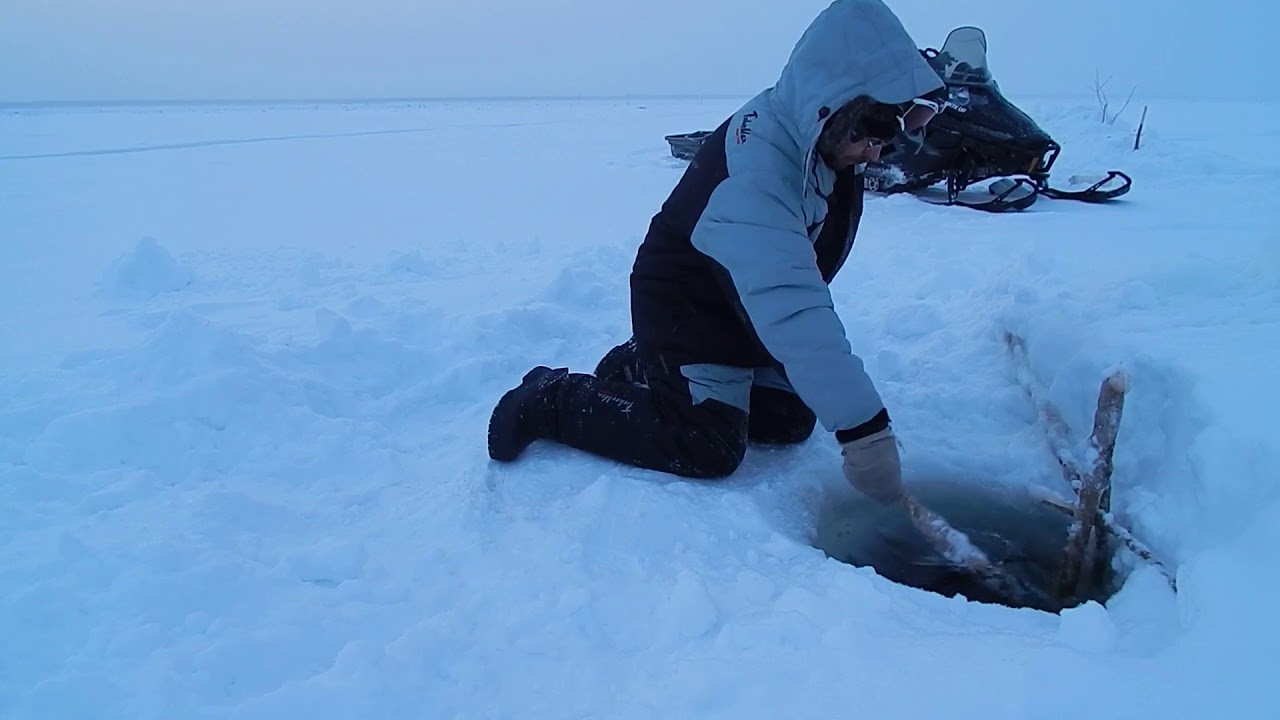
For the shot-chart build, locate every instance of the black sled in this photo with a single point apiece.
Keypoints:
(978, 136)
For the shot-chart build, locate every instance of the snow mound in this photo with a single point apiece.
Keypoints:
(147, 271)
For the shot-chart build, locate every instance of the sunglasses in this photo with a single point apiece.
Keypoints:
(882, 123)
(919, 113)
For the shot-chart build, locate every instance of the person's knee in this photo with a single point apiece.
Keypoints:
(704, 409)
(717, 459)
(798, 429)
(779, 417)
(709, 442)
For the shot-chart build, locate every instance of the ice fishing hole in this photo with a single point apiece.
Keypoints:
(1024, 536)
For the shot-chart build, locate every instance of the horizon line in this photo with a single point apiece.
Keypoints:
(368, 100)
(12, 105)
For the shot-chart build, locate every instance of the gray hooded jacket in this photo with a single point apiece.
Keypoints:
(762, 219)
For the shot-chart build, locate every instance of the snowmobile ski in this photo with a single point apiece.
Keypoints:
(1011, 195)
(1097, 192)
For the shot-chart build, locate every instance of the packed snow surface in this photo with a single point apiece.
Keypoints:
(248, 354)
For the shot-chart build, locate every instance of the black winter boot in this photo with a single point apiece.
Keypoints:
(525, 413)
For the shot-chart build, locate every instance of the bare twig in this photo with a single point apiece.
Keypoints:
(1098, 90)
(1120, 112)
(1104, 103)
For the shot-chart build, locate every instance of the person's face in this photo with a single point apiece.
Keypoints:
(854, 152)
(867, 150)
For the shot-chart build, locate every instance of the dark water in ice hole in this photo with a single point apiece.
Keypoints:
(1025, 537)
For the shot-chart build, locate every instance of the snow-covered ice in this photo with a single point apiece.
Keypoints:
(247, 357)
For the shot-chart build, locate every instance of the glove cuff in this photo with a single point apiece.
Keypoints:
(877, 423)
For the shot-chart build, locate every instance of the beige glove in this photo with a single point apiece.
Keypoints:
(872, 465)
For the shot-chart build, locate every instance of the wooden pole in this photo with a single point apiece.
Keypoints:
(1113, 528)
(1099, 525)
(1097, 483)
(1055, 426)
(960, 551)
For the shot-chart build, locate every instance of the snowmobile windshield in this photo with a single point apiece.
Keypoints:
(963, 58)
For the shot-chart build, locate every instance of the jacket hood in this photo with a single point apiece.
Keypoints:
(852, 48)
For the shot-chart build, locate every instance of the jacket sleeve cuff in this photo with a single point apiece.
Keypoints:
(870, 427)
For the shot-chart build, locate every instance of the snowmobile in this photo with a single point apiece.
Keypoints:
(978, 136)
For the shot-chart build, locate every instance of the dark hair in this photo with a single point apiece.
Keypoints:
(881, 121)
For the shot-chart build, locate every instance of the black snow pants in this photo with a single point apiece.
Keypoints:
(640, 409)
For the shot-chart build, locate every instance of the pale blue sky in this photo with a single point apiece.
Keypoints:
(273, 49)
